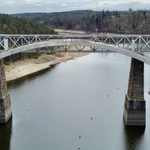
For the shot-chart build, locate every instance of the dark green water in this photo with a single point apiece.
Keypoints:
(77, 103)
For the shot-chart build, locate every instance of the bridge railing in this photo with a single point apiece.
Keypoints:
(142, 42)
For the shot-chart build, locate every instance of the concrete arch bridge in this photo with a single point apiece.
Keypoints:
(135, 46)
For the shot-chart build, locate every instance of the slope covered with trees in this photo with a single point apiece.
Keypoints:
(135, 22)
(15, 25)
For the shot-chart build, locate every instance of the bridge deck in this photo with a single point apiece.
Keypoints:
(130, 45)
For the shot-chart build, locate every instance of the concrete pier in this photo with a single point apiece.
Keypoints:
(5, 105)
(135, 105)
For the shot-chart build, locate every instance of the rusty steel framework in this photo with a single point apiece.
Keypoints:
(142, 42)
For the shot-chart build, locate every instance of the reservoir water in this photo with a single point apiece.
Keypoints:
(78, 104)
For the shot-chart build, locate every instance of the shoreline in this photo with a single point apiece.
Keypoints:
(24, 68)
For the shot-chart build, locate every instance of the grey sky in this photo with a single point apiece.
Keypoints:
(21, 6)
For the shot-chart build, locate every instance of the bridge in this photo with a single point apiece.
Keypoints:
(135, 46)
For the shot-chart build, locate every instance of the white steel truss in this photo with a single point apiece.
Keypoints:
(124, 41)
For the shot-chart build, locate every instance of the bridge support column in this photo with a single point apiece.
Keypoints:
(135, 105)
(5, 105)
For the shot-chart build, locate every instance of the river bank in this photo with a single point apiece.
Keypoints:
(23, 68)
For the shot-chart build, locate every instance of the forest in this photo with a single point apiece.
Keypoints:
(15, 25)
(122, 22)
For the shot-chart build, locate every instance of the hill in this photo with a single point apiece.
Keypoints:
(14, 25)
(127, 22)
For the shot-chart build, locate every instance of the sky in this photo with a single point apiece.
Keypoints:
(28, 6)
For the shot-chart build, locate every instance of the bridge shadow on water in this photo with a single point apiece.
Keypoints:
(133, 137)
(5, 135)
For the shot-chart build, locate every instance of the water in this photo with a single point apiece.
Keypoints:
(81, 97)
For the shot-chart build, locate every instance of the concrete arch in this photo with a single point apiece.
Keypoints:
(76, 42)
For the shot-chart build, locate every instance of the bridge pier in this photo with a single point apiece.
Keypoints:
(135, 105)
(5, 104)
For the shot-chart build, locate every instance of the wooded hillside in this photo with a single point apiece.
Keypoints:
(15, 25)
(136, 22)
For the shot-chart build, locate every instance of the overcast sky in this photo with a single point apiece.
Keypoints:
(21, 6)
